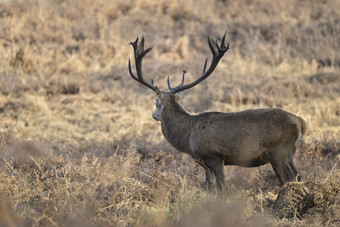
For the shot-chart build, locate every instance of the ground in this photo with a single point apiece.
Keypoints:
(79, 147)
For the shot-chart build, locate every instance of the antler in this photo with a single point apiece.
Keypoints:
(169, 86)
(217, 55)
(139, 53)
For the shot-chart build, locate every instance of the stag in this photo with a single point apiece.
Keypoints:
(248, 138)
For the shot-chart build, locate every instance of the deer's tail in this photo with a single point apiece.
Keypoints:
(303, 126)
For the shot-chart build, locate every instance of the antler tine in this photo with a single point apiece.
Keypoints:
(131, 73)
(223, 40)
(217, 55)
(211, 46)
(134, 45)
(139, 53)
(205, 65)
(217, 46)
(142, 42)
(169, 86)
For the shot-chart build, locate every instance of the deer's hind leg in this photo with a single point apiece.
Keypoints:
(279, 169)
(290, 171)
(291, 166)
(281, 160)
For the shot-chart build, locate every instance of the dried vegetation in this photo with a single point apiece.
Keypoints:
(78, 146)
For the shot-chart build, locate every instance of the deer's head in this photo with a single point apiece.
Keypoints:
(166, 99)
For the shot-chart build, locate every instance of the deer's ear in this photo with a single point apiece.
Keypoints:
(179, 96)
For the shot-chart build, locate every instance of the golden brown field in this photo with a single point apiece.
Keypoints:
(79, 146)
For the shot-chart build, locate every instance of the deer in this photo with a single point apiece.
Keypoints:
(249, 138)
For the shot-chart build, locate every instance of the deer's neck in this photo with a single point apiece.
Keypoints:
(177, 126)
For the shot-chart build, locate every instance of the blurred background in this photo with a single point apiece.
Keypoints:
(78, 144)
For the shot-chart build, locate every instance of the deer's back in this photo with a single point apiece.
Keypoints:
(250, 132)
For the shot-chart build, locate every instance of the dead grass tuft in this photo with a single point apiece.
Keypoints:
(305, 198)
(29, 155)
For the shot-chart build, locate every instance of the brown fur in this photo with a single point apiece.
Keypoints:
(249, 138)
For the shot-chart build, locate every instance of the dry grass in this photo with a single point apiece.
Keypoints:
(78, 146)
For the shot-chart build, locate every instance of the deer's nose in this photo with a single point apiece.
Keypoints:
(155, 117)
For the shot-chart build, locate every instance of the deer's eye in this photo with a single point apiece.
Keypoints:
(157, 103)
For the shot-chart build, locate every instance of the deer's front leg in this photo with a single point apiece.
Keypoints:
(208, 179)
(215, 165)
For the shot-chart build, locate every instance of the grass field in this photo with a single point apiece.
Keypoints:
(78, 145)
